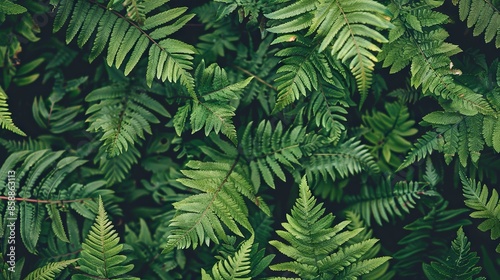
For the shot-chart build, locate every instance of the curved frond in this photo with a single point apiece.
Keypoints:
(49, 271)
(5, 119)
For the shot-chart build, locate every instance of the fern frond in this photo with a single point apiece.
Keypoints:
(168, 59)
(211, 108)
(219, 202)
(319, 249)
(460, 265)
(424, 146)
(49, 271)
(486, 207)
(116, 169)
(419, 41)
(10, 8)
(483, 15)
(232, 267)
(30, 144)
(268, 149)
(346, 158)
(384, 201)
(428, 238)
(5, 119)
(122, 115)
(349, 25)
(100, 251)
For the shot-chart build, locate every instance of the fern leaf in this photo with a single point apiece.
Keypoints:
(483, 15)
(486, 207)
(168, 59)
(423, 147)
(123, 115)
(460, 265)
(270, 149)
(100, 251)
(233, 267)
(10, 8)
(384, 202)
(200, 217)
(319, 249)
(347, 158)
(49, 271)
(5, 119)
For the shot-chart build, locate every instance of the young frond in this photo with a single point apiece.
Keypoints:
(319, 249)
(5, 119)
(232, 267)
(100, 257)
(461, 264)
(486, 207)
(483, 16)
(384, 202)
(168, 59)
(122, 115)
(49, 271)
(201, 217)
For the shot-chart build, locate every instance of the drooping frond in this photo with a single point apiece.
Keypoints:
(168, 59)
(486, 207)
(384, 202)
(122, 114)
(483, 15)
(116, 169)
(461, 264)
(211, 108)
(49, 271)
(318, 248)
(218, 202)
(346, 29)
(100, 257)
(5, 119)
(232, 267)
(268, 149)
(428, 238)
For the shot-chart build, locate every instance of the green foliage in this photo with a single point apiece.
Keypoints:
(346, 29)
(385, 201)
(264, 96)
(460, 265)
(5, 119)
(477, 198)
(49, 271)
(169, 59)
(426, 240)
(318, 249)
(122, 115)
(483, 15)
(388, 131)
(100, 251)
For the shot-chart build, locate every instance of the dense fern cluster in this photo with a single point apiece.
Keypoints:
(249, 139)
